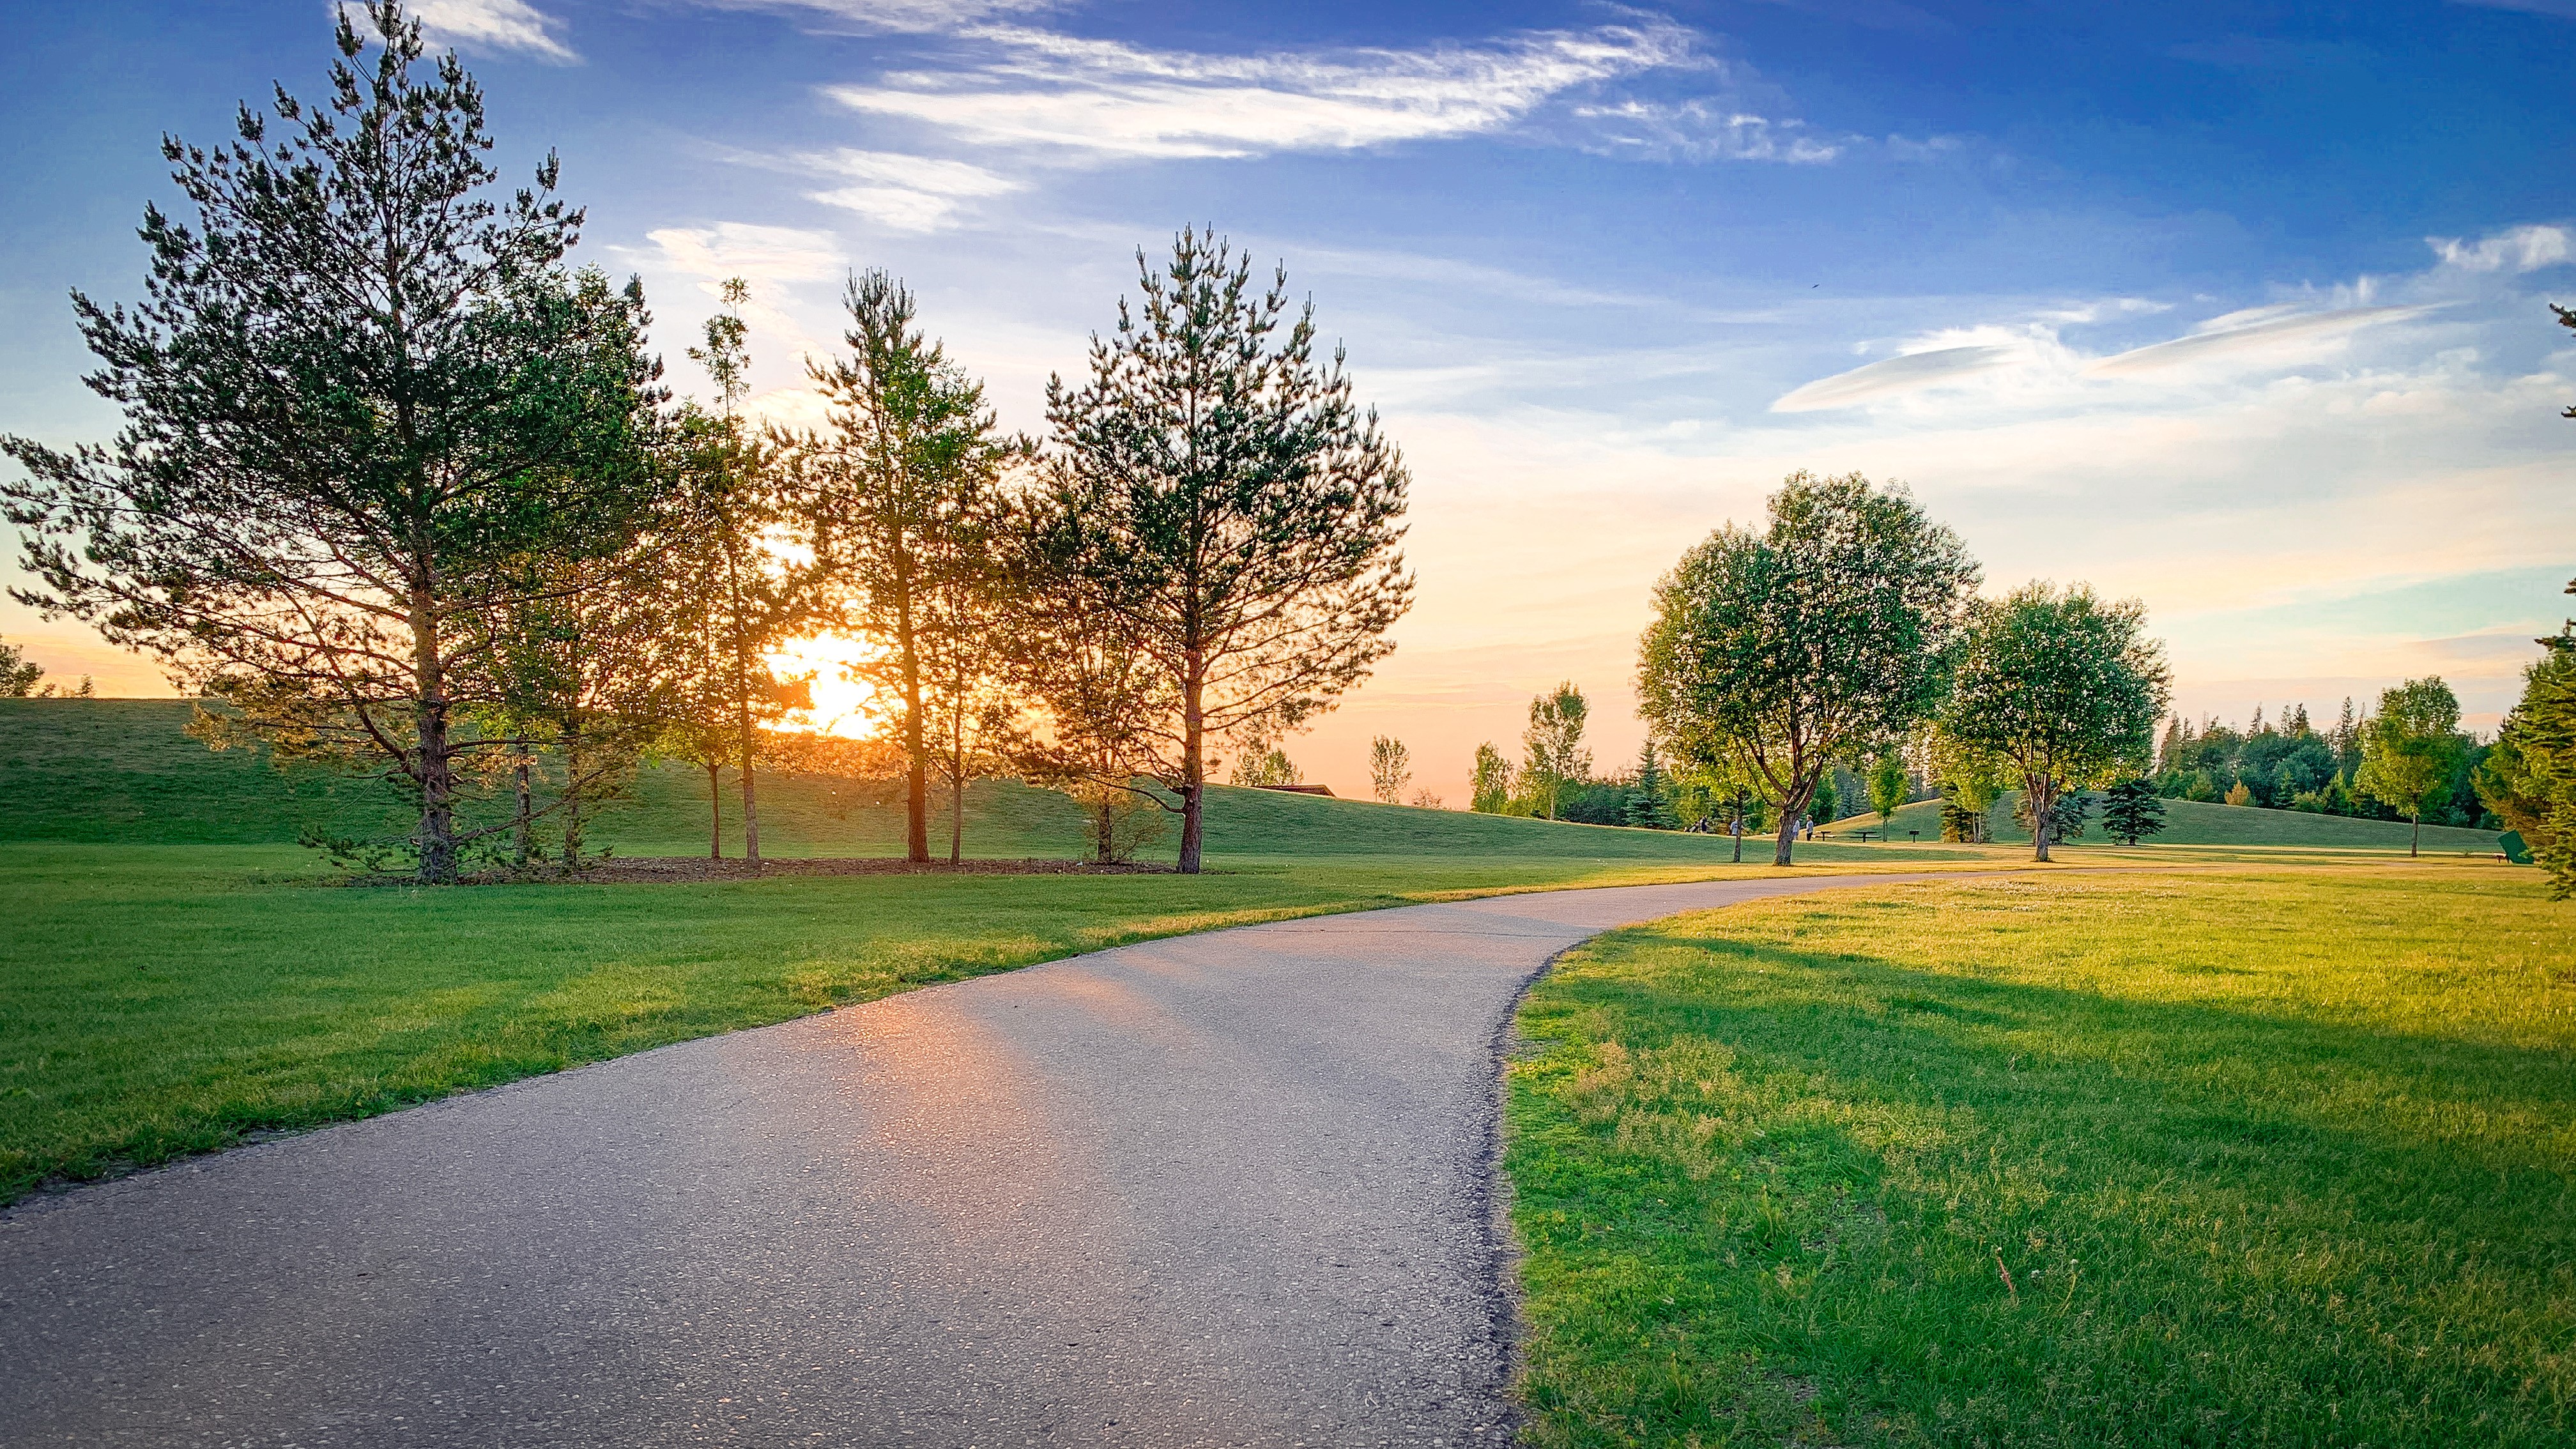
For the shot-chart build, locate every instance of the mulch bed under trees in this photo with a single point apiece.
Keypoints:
(646, 869)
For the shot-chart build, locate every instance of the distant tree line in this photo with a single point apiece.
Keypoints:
(400, 489)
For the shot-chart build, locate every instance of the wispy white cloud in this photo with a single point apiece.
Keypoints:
(2268, 339)
(1910, 372)
(899, 15)
(760, 255)
(492, 25)
(905, 193)
(2520, 249)
(1054, 92)
(1701, 130)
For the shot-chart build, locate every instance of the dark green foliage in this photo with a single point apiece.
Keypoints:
(2131, 812)
(1215, 494)
(361, 392)
(2530, 775)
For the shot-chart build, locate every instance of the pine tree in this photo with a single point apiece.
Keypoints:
(1649, 799)
(900, 486)
(361, 393)
(1215, 492)
(2131, 811)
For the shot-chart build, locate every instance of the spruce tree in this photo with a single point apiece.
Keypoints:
(2131, 811)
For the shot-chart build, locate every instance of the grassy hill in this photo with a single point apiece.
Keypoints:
(122, 771)
(2190, 822)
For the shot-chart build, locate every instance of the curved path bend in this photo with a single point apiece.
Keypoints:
(1225, 1189)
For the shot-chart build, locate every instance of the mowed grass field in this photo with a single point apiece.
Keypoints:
(2194, 822)
(174, 976)
(2223, 1158)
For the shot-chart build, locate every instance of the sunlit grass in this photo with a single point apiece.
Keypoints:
(2142, 1160)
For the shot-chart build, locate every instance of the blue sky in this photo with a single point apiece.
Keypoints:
(2238, 309)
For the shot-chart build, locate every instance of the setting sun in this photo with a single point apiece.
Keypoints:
(850, 708)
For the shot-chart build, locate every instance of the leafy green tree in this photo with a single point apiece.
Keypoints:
(2131, 812)
(1970, 781)
(1265, 767)
(1889, 785)
(2064, 688)
(1390, 769)
(2409, 750)
(360, 392)
(732, 598)
(1214, 489)
(18, 673)
(2529, 779)
(1772, 654)
(1553, 754)
(900, 487)
(1492, 782)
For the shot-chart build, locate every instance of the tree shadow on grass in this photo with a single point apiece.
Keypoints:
(1980, 1211)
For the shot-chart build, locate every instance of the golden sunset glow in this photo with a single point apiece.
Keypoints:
(843, 706)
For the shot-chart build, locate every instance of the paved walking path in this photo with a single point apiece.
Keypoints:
(1233, 1188)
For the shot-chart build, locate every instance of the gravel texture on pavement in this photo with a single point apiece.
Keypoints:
(1226, 1189)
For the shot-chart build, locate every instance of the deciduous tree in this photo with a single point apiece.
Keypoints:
(1553, 755)
(1215, 490)
(1491, 782)
(2063, 687)
(2409, 750)
(1774, 653)
(1390, 769)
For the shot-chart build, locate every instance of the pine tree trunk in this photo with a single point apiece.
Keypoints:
(916, 748)
(1193, 767)
(2043, 804)
(715, 810)
(957, 815)
(437, 756)
(750, 792)
(1102, 827)
(2415, 834)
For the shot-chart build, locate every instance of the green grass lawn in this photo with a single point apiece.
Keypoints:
(2204, 1159)
(173, 975)
(2192, 822)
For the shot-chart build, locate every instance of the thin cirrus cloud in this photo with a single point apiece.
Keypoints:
(492, 25)
(1107, 100)
(1700, 130)
(899, 15)
(1912, 372)
(2254, 336)
(2270, 335)
(904, 193)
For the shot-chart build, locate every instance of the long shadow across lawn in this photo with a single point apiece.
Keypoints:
(1780, 1193)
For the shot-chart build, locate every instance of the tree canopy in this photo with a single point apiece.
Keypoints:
(1213, 488)
(1773, 653)
(2062, 687)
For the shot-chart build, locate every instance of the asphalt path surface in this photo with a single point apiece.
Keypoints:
(1229, 1189)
